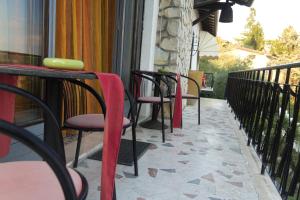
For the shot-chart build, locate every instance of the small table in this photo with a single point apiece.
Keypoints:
(54, 80)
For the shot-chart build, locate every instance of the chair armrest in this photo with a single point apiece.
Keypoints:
(194, 81)
(171, 77)
(48, 154)
(92, 91)
(24, 93)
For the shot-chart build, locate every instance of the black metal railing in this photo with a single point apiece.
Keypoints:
(266, 103)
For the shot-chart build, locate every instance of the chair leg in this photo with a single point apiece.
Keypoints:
(115, 194)
(138, 114)
(135, 161)
(171, 116)
(77, 149)
(124, 131)
(162, 121)
(198, 111)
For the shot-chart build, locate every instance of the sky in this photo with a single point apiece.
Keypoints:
(274, 16)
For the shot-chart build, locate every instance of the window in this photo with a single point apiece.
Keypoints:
(22, 41)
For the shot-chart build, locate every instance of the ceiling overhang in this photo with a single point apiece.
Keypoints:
(198, 4)
(244, 2)
(209, 15)
(210, 24)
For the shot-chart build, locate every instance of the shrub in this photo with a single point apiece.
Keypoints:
(221, 67)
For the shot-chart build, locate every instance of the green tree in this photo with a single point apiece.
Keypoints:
(286, 48)
(224, 45)
(220, 68)
(253, 37)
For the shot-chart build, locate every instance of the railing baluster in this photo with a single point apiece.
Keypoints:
(253, 107)
(275, 98)
(259, 105)
(291, 138)
(278, 131)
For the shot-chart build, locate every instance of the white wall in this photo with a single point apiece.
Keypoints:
(196, 31)
(149, 34)
(148, 42)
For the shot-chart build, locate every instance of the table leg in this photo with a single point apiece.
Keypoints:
(153, 123)
(53, 137)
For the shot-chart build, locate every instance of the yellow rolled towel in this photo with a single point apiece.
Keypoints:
(61, 63)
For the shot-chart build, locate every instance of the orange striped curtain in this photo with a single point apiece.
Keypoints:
(85, 30)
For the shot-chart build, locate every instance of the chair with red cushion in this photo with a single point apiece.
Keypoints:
(47, 179)
(93, 122)
(138, 77)
(171, 77)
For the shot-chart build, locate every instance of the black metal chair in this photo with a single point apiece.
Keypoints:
(171, 77)
(37, 179)
(137, 78)
(94, 122)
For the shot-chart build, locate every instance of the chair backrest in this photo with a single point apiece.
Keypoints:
(7, 106)
(70, 93)
(75, 90)
(74, 100)
(173, 77)
(155, 78)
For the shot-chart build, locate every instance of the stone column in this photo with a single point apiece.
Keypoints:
(174, 36)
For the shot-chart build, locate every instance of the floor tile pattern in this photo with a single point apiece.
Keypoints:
(196, 162)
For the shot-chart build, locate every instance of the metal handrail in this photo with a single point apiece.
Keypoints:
(283, 66)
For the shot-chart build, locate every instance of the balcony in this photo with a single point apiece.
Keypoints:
(245, 148)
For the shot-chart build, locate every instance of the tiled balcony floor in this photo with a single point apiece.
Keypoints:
(210, 161)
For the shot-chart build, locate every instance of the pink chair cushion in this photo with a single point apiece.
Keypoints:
(93, 121)
(32, 180)
(152, 100)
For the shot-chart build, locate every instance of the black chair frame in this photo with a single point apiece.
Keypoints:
(171, 76)
(150, 77)
(47, 153)
(101, 102)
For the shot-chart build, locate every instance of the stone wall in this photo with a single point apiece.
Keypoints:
(174, 35)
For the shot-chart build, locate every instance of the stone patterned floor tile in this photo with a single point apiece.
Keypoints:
(169, 170)
(197, 162)
(152, 172)
(196, 181)
(209, 177)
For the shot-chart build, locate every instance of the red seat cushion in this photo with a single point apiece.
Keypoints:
(32, 180)
(92, 121)
(152, 100)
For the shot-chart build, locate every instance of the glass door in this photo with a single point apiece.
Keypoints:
(22, 41)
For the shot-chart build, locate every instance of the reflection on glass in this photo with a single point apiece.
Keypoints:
(22, 42)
